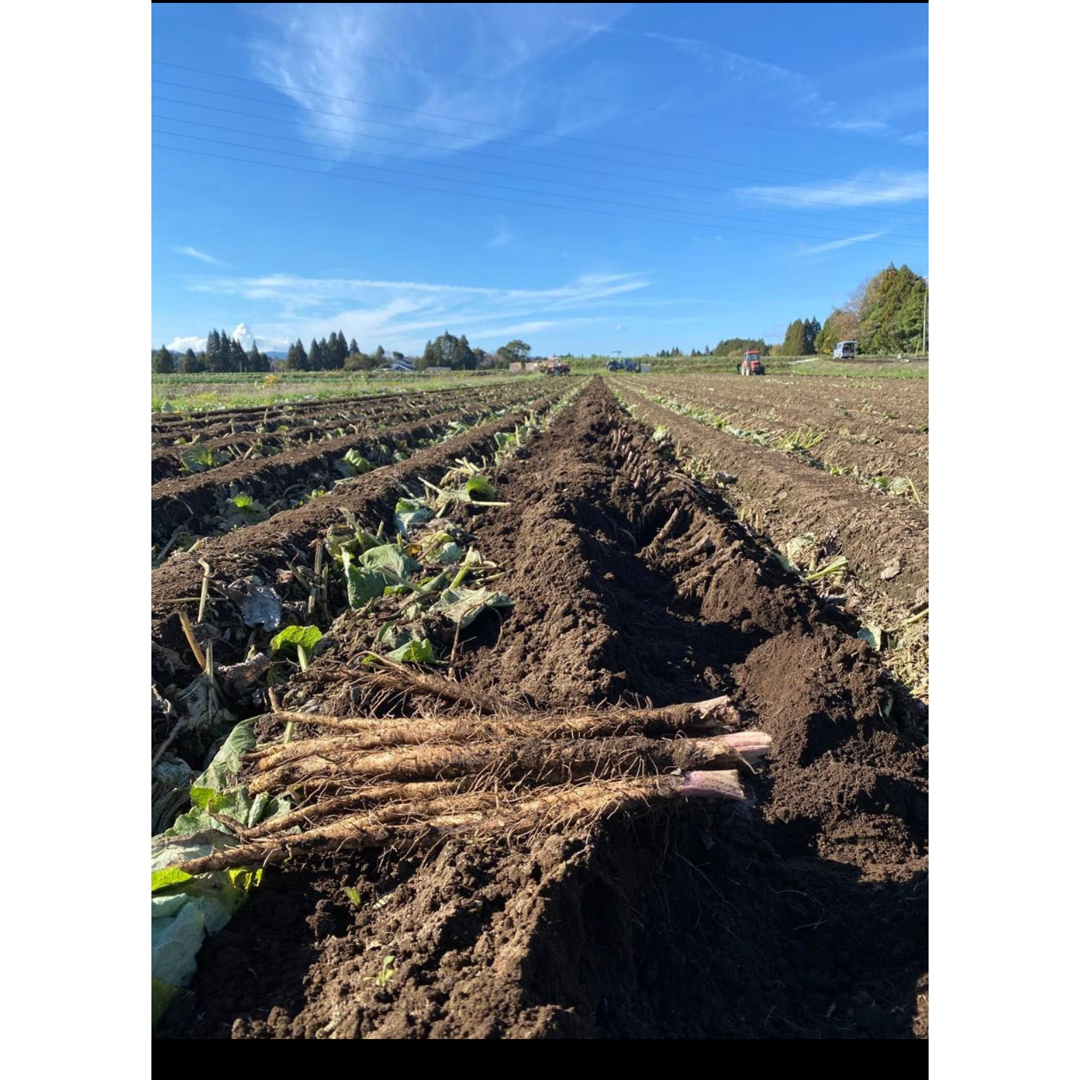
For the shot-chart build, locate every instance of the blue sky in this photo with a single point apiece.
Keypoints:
(587, 177)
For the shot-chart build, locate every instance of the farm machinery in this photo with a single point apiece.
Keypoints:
(751, 363)
(554, 367)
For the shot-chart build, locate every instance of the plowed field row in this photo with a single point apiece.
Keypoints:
(799, 912)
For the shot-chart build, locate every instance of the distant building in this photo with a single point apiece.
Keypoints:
(402, 365)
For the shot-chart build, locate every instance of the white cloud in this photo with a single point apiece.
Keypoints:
(619, 326)
(860, 125)
(243, 335)
(864, 190)
(201, 256)
(341, 50)
(182, 344)
(404, 314)
(834, 244)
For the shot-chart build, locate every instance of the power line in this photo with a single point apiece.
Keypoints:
(486, 123)
(494, 198)
(472, 153)
(473, 168)
(640, 109)
(474, 138)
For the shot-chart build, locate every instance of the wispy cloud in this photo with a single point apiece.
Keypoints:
(503, 233)
(404, 314)
(342, 49)
(916, 138)
(875, 64)
(879, 115)
(879, 189)
(201, 256)
(834, 244)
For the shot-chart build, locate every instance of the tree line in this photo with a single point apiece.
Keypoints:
(225, 354)
(885, 315)
(222, 353)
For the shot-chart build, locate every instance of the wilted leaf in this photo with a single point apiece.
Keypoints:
(409, 513)
(462, 606)
(414, 652)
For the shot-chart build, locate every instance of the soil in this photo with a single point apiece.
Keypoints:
(801, 914)
(192, 502)
(275, 546)
(878, 432)
(166, 461)
(789, 498)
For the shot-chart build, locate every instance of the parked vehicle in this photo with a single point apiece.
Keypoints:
(844, 350)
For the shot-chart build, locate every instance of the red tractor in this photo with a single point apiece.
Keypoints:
(751, 364)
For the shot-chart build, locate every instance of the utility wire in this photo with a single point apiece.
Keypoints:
(477, 153)
(642, 110)
(498, 198)
(549, 150)
(480, 123)
(529, 191)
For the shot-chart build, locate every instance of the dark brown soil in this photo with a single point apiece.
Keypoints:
(275, 545)
(802, 915)
(193, 502)
(277, 435)
(246, 418)
(787, 499)
(881, 432)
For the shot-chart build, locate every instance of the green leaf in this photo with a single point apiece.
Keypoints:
(414, 652)
(162, 879)
(389, 557)
(353, 464)
(479, 488)
(294, 637)
(360, 585)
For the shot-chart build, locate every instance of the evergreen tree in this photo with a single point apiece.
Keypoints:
(462, 358)
(297, 359)
(380, 355)
(163, 362)
(257, 361)
(354, 349)
(794, 339)
(237, 356)
(811, 329)
(190, 364)
(215, 358)
(338, 351)
(316, 357)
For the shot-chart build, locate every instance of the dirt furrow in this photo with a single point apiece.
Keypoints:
(168, 462)
(271, 547)
(802, 916)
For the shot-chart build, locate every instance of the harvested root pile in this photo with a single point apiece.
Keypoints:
(380, 782)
